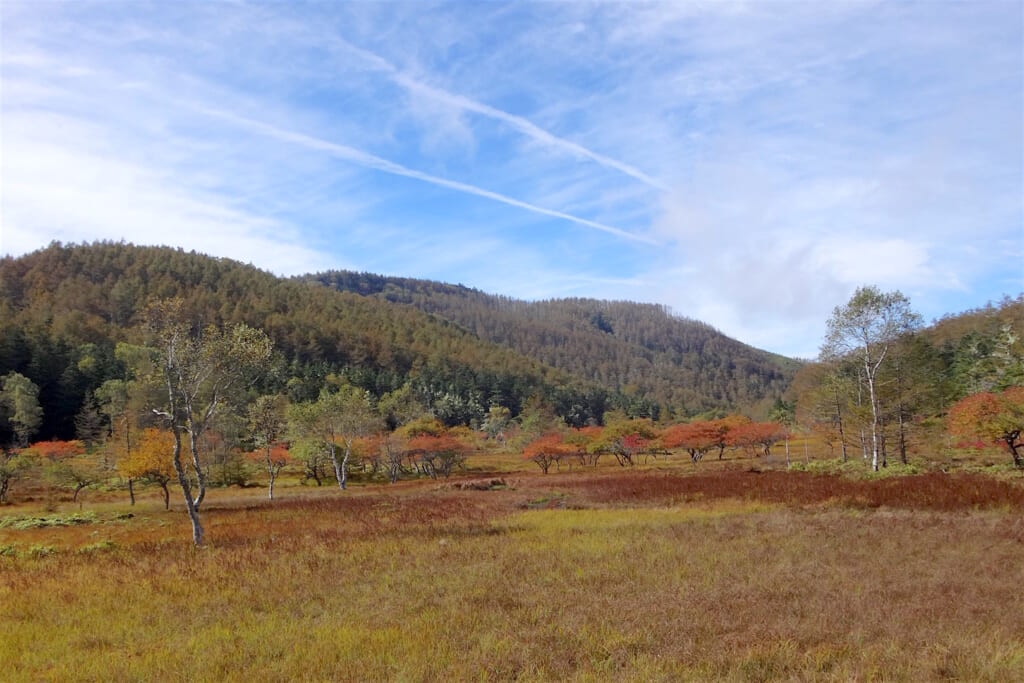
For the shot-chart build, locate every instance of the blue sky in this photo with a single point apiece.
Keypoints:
(748, 164)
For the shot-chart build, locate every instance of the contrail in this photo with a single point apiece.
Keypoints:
(366, 160)
(523, 125)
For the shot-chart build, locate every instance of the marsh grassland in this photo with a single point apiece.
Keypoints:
(646, 575)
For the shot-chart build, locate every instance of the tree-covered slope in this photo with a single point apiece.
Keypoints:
(64, 308)
(640, 349)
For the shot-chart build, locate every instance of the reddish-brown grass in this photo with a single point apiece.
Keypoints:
(931, 491)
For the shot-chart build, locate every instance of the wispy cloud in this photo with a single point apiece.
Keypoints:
(83, 195)
(519, 123)
(527, 128)
(355, 156)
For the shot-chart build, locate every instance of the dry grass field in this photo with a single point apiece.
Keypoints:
(654, 574)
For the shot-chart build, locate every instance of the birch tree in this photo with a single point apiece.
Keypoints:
(335, 421)
(201, 371)
(267, 422)
(865, 329)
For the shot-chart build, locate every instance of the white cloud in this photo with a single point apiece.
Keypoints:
(82, 194)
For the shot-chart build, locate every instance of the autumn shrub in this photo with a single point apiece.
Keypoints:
(993, 417)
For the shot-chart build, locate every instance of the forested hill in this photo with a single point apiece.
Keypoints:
(64, 308)
(641, 350)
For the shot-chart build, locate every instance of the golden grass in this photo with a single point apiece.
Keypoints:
(423, 582)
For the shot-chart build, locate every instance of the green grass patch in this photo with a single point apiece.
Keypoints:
(857, 468)
(27, 522)
(57, 520)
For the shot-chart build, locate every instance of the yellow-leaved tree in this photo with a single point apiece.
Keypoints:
(150, 460)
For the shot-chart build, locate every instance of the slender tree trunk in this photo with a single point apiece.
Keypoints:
(338, 469)
(167, 495)
(344, 464)
(839, 420)
(883, 443)
(874, 423)
(197, 466)
(903, 435)
(190, 504)
(312, 473)
(271, 472)
(131, 490)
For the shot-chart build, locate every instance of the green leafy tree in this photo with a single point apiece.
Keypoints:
(784, 414)
(821, 393)
(625, 438)
(311, 455)
(334, 421)
(20, 418)
(399, 407)
(866, 328)
(538, 418)
(496, 422)
(19, 398)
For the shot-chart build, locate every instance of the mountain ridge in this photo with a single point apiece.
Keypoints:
(682, 363)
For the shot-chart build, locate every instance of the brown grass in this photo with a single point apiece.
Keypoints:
(729, 575)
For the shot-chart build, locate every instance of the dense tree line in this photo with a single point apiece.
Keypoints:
(884, 385)
(65, 309)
